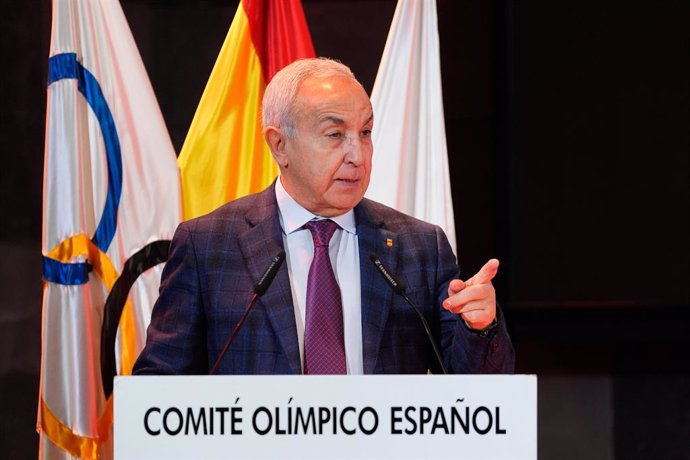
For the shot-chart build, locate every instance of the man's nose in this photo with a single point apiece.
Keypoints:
(357, 149)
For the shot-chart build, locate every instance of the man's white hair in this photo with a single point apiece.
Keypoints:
(279, 97)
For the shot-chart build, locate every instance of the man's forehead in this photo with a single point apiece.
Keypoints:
(333, 89)
(333, 100)
(327, 82)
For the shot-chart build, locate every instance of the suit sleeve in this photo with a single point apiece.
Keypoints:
(465, 351)
(176, 336)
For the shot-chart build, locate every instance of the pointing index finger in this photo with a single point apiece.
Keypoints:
(486, 273)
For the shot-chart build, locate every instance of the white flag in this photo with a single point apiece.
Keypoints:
(410, 164)
(111, 204)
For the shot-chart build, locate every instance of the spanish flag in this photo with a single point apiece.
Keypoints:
(224, 155)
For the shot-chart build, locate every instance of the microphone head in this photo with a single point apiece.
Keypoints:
(392, 280)
(269, 274)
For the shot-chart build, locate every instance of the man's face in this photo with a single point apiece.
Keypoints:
(326, 166)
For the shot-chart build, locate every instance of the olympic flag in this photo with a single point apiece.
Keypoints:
(410, 165)
(111, 205)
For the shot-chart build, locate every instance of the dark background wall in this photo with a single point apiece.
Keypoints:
(568, 140)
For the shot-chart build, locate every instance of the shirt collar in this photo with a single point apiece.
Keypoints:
(293, 216)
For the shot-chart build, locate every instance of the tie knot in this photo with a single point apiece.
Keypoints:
(321, 231)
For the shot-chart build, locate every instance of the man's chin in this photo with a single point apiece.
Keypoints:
(342, 204)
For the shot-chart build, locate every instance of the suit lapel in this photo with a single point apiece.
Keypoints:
(259, 245)
(376, 293)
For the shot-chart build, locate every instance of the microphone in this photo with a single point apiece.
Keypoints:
(399, 288)
(270, 273)
(259, 290)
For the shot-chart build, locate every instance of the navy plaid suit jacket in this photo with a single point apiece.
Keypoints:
(215, 260)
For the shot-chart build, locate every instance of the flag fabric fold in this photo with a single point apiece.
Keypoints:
(111, 193)
(410, 165)
(224, 154)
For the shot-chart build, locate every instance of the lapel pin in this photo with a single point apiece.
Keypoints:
(389, 242)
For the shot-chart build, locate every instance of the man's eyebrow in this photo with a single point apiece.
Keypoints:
(332, 119)
(339, 121)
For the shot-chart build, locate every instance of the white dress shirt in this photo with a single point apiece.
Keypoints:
(344, 253)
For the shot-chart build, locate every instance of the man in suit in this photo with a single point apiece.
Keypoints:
(317, 122)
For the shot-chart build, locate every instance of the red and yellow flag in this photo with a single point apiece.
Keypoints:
(224, 155)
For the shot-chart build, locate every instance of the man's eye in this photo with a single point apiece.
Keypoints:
(366, 133)
(336, 135)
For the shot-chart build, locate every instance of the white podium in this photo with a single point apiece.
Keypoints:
(326, 417)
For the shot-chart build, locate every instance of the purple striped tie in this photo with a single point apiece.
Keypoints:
(324, 343)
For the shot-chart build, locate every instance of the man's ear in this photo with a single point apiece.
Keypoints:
(275, 139)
